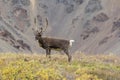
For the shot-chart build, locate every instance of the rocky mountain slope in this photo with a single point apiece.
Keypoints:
(93, 24)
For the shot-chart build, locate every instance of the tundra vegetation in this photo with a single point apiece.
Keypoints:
(14, 66)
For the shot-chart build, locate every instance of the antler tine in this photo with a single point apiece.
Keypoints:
(46, 20)
(41, 29)
(35, 24)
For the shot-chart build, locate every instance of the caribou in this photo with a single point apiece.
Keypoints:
(53, 44)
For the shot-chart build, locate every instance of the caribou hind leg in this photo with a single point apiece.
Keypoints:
(67, 53)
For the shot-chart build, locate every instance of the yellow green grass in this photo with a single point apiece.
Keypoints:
(21, 66)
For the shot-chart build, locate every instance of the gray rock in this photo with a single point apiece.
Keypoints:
(70, 8)
(102, 17)
(116, 25)
(25, 2)
(78, 1)
(93, 6)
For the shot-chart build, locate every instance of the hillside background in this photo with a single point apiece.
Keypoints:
(93, 24)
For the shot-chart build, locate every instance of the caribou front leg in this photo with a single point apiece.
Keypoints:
(48, 52)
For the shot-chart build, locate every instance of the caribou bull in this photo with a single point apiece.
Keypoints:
(53, 44)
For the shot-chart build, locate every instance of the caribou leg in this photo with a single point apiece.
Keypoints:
(48, 51)
(67, 53)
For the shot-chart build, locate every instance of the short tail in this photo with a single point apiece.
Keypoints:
(71, 42)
